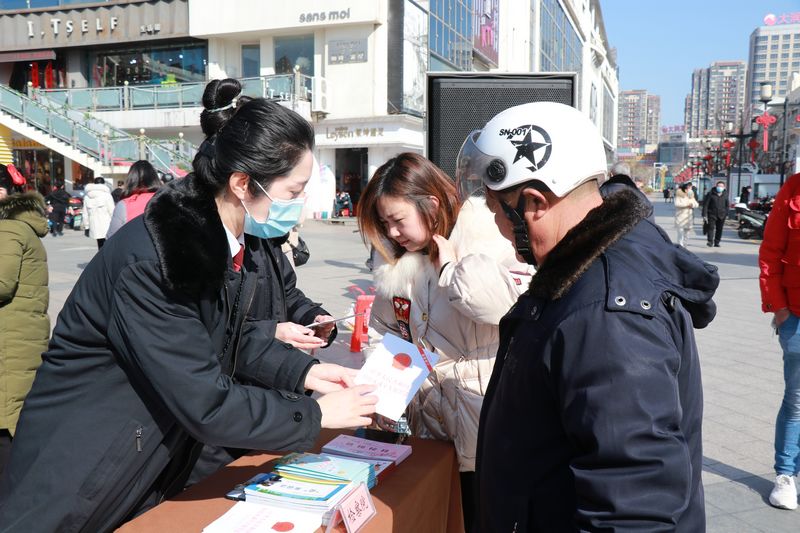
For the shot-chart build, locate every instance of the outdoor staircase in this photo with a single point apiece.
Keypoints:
(84, 139)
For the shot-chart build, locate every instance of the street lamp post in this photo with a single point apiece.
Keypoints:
(783, 154)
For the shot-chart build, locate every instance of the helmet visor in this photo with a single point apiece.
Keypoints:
(471, 166)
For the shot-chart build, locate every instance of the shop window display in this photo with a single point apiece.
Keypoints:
(154, 65)
(291, 52)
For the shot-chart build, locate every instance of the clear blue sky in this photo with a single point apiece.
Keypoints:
(659, 43)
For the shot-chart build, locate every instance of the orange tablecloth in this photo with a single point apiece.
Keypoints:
(423, 494)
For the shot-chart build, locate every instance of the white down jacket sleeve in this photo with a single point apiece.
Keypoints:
(483, 289)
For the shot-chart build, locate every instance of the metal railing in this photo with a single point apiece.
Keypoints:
(287, 87)
(95, 138)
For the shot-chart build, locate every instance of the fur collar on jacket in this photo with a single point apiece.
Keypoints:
(189, 238)
(572, 256)
(16, 204)
(474, 232)
(28, 208)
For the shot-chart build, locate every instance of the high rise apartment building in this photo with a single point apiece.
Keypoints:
(774, 55)
(639, 117)
(717, 97)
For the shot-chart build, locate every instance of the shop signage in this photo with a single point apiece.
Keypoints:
(784, 18)
(101, 25)
(25, 144)
(345, 132)
(70, 26)
(323, 16)
(347, 51)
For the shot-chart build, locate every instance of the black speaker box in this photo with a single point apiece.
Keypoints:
(461, 102)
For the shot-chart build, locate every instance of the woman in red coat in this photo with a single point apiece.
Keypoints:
(779, 261)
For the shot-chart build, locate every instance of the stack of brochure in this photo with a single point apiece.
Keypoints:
(325, 467)
(366, 449)
(303, 495)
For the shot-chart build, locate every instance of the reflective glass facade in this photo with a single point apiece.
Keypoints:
(560, 45)
(7, 5)
(294, 51)
(149, 65)
(451, 31)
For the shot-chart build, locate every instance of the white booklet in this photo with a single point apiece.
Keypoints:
(398, 369)
(246, 517)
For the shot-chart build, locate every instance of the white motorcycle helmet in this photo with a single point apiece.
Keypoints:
(552, 143)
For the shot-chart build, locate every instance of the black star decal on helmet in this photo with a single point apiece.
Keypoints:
(528, 147)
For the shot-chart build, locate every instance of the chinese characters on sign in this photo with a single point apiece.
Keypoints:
(347, 51)
(357, 508)
(343, 132)
(673, 129)
(784, 18)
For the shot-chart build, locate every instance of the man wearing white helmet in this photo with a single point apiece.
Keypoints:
(592, 418)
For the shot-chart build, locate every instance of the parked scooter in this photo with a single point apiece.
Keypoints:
(751, 223)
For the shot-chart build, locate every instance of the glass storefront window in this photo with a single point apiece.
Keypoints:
(150, 65)
(41, 168)
(251, 60)
(291, 52)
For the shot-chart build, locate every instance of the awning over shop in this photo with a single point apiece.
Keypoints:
(28, 55)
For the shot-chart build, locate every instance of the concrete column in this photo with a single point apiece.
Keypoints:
(75, 72)
(267, 56)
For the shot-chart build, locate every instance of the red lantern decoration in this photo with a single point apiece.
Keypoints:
(35, 75)
(766, 120)
(727, 145)
(753, 144)
(49, 79)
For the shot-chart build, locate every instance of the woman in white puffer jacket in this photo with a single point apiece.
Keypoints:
(447, 294)
(98, 206)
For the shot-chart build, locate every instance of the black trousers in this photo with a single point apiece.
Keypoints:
(715, 226)
(5, 448)
(469, 501)
(57, 218)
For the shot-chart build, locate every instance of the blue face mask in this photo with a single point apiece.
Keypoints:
(283, 216)
(720, 189)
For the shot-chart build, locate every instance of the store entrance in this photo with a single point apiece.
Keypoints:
(50, 74)
(351, 171)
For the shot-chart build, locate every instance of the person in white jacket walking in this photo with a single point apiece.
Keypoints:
(98, 206)
(447, 278)
(685, 204)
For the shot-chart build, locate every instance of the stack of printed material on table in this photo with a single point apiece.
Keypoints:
(319, 496)
(326, 467)
(247, 517)
(366, 449)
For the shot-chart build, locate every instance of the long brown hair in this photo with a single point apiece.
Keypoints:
(413, 178)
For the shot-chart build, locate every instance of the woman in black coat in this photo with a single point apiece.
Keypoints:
(168, 339)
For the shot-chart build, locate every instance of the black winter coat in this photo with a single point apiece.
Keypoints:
(715, 205)
(145, 364)
(592, 418)
(58, 200)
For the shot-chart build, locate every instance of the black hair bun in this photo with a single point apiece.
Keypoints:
(218, 94)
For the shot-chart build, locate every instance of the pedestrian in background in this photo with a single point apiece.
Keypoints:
(592, 418)
(715, 211)
(779, 262)
(744, 197)
(141, 184)
(685, 204)
(98, 207)
(447, 279)
(164, 343)
(116, 194)
(57, 203)
(24, 297)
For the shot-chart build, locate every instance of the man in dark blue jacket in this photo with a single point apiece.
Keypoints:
(592, 418)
